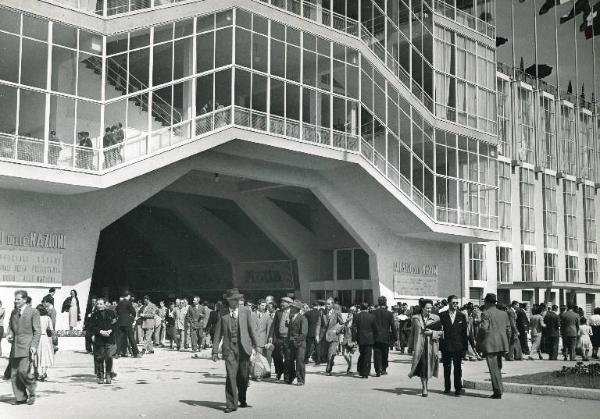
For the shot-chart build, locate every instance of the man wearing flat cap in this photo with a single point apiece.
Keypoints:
(239, 342)
(494, 334)
(296, 344)
(279, 336)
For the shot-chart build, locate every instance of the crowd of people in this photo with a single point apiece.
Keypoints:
(289, 334)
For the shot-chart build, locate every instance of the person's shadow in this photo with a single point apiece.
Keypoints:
(404, 391)
(204, 403)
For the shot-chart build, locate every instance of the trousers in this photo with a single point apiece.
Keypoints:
(312, 346)
(452, 359)
(568, 348)
(237, 366)
(380, 356)
(294, 359)
(331, 353)
(126, 339)
(279, 359)
(22, 381)
(197, 335)
(494, 362)
(552, 347)
(148, 346)
(364, 360)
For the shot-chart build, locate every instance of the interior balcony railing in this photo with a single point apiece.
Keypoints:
(465, 19)
(145, 144)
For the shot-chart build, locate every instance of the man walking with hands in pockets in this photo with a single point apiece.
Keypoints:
(235, 327)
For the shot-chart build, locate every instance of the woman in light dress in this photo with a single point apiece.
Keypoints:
(536, 326)
(71, 306)
(424, 341)
(583, 338)
(45, 350)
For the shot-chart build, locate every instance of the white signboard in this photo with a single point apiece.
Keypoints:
(415, 280)
(19, 267)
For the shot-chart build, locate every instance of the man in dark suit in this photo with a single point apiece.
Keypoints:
(49, 296)
(494, 333)
(569, 326)
(386, 327)
(278, 336)
(239, 342)
(125, 318)
(296, 344)
(24, 333)
(332, 325)
(91, 308)
(312, 337)
(365, 330)
(522, 326)
(551, 333)
(454, 344)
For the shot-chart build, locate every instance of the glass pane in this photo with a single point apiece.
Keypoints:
(260, 52)
(162, 71)
(205, 53)
(259, 93)
(344, 264)
(34, 63)
(9, 21)
(88, 122)
(31, 114)
(183, 58)
(64, 67)
(8, 119)
(223, 49)
(222, 89)
(242, 88)
(35, 28)
(62, 122)
(64, 35)
(9, 57)
(243, 47)
(204, 94)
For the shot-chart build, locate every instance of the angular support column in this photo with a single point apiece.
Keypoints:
(291, 237)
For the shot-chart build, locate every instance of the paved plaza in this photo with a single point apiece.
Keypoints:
(170, 384)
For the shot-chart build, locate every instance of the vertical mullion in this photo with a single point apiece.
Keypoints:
(150, 95)
(47, 95)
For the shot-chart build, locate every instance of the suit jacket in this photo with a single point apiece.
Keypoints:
(522, 322)
(262, 326)
(246, 336)
(103, 320)
(314, 323)
(494, 331)
(569, 323)
(125, 313)
(512, 318)
(386, 326)
(455, 334)
(148, 313)
(298, 330)
(274, 332)
(552, 324)
(333, 325)
(195, 316)
(365, 328)
(25, 330)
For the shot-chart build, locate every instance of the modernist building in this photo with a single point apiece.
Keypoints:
(321, 147)
(548, 132)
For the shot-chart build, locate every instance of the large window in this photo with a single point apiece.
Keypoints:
(589, 214)
(550, 213)
(351, 264)
(591, 271)
(527, 207)
(528, 265)
(570, 202)
(567, 155)
(550, 266)
(504, 263)
(477, 262)
(504, 202)
(572, 269)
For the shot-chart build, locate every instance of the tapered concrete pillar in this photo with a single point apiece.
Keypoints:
(292, 238)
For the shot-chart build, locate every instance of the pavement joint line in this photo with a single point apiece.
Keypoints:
(555, 391)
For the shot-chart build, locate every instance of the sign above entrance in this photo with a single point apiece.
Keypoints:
(412, 280)
(265, 275)
(38, 240)
(20, 268)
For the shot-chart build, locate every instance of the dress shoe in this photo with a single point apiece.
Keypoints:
(377, 375)
(457, 394)
(108, 379)
(138, 356)
(31, 400)
(447, 391)
(100, 380)
(496, 396)
(384, 372)
(328, 374)
(299, 384)
(243, 404)
(229, 410)
(18, 402)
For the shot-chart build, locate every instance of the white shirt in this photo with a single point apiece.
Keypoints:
(452, 315)
(234, 313)
(21, 309)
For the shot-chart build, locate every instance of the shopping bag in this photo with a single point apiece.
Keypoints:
(203, 354)
(259, 366)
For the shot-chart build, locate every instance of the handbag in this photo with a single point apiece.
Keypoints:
(49, 332)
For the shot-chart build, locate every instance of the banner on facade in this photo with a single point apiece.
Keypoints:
(28, 268)
(415, 280)
(266, 275)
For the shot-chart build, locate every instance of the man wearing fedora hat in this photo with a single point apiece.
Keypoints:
(493, 340)
(239, 342)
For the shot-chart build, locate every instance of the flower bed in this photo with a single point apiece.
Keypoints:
(581, 376)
